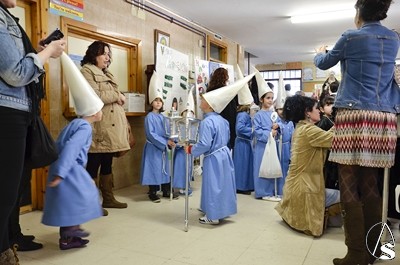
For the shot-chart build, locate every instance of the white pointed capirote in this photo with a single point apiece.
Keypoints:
(218, 99)
(155, 87)
(86, 101)
(263, 87)
(189, 106)
(281, 94)
(244, 95)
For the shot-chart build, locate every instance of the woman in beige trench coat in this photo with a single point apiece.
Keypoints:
(110, 135)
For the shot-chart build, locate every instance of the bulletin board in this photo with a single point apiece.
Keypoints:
(173, 68)
(126, 58)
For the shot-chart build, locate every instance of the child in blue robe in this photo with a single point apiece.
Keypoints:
(284, 144)
(243, 151)
(155, 165)
(180, 163)
(263, 125)
(72, 197)
(218, 190)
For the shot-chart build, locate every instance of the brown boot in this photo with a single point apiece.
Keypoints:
(9, 257)
(106, 186)
(372, 209)
(353, 220)
(96, 181)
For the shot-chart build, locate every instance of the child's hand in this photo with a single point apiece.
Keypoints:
(275, 126)
(171, 143)
(274, 132)
(188, 149)
(54, 183)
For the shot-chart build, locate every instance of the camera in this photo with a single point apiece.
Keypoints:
(55, 35)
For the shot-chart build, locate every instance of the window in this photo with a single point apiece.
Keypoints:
(292, 77)
(216, 50)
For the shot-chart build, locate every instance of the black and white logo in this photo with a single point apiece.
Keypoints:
(384, 251)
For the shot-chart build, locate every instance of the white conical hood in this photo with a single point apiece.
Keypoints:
(155, 87)
(244, 95)
(281, 95)
(218, 99)
(86, 101)
(189, 106)
(263, 87)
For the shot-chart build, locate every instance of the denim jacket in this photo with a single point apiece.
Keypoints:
(16, 69)
(367, 60)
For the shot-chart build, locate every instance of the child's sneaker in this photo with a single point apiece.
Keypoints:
(72, 242)
(182, 192)
(175, 196)
(272, 198)
(205, 221)
(154, 198)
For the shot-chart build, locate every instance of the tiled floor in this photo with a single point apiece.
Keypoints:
(149, 233)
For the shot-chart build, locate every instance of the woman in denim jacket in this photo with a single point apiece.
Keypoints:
(20, 66)
(367, 101)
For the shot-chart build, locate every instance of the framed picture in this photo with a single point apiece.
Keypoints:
(161, 37)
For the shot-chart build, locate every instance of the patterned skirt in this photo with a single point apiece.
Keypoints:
(365, 138)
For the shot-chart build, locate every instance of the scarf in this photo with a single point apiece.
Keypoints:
(35, 91)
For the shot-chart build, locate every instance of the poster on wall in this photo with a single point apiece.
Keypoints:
(202, 74)
(173, 67)
(71, 8)
(203, 70)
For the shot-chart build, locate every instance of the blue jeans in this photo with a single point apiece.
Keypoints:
(331, 197)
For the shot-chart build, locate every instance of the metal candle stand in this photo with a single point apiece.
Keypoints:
(274, 117)
(187, 134)
(171, 130)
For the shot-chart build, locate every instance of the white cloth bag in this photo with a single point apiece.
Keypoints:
(270, 165)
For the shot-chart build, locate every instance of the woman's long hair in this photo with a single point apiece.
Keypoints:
(218, 79)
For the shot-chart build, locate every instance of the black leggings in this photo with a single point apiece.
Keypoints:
(102, 160)
(14, 124)
(14, 228)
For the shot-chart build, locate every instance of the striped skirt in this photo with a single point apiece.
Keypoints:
(365, 138)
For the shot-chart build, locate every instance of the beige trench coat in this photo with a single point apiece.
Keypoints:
(303, 202)
(111, 133)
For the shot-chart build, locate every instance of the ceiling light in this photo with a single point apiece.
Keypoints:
(323, 16)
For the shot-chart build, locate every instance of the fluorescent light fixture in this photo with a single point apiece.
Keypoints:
(323, 16)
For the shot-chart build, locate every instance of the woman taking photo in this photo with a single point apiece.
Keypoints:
(365, 136)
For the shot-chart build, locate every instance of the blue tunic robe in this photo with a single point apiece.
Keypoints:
(155, 164)
(180, 168)
(262, 128)
(285, 134)
(76, 199)
(218, 190)
(243, 153)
